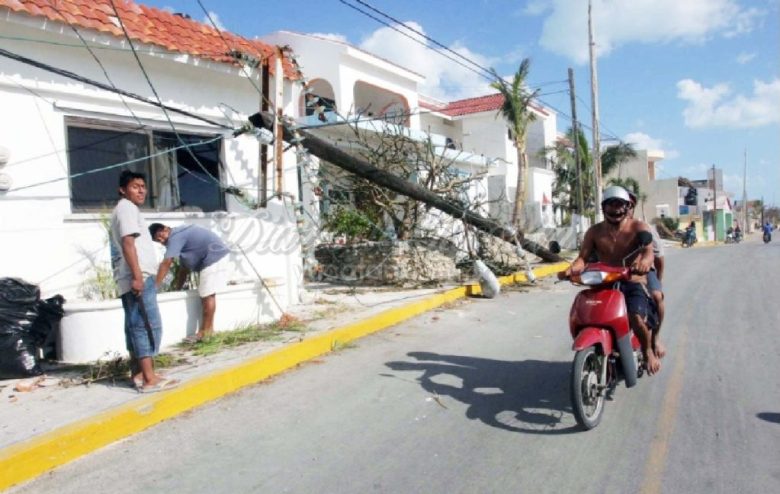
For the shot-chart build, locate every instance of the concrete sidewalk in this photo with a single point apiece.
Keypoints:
(57, 421)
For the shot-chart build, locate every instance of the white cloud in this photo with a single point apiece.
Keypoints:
(620, 22)
(212, 17)
(708, 107)
(640, 140)
(536, 7)
(745, 57)
(444, 79)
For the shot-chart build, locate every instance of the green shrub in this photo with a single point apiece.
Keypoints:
(351, 223)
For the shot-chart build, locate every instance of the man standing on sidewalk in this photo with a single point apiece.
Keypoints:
(136, 263)
(201, 251)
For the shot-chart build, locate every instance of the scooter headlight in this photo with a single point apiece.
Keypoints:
(598, 277)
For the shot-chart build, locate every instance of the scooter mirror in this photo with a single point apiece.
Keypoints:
(645, 238)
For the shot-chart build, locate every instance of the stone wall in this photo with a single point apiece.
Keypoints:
(408, 263)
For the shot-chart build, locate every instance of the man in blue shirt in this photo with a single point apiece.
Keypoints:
(199, 250)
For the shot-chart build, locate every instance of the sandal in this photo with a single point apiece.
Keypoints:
(162, 385)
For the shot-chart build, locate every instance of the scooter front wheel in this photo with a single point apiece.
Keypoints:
(587, 390)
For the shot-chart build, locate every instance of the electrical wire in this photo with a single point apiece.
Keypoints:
(547, 104)
(159, 100)
(71, 75)
(115, 165)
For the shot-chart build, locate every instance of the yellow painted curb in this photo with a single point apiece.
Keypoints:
(28, 459)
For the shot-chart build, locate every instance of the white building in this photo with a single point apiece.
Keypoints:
(68, 140)
(473, 126)
(355, 84)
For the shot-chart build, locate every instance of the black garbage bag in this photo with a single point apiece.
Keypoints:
(25, 321)
(50, 312)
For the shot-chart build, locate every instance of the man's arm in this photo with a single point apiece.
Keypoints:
(131, 258)
(586, 251)
(162, 271)
(644, 261)
(658, 262)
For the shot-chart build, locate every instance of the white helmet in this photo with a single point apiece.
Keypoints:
(615, 192)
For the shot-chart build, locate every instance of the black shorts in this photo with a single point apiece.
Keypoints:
(638, 301)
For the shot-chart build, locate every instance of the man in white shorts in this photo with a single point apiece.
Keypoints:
(201, 251)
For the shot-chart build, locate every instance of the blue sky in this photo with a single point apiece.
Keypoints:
(697, 79)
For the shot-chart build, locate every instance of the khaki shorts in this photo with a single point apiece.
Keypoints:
(213, 278)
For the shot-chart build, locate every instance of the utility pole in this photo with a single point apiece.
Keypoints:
(262, 184)
(594, 83)
(744, 195)
(576, 134)
(278, 128)
(714, 203)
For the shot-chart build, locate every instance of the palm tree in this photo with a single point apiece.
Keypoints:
(518, 115)
(614, 156)
(565, 184)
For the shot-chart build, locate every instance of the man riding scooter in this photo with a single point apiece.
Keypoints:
(612, 240)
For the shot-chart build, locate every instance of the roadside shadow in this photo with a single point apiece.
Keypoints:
(530, 396)
(769, 417)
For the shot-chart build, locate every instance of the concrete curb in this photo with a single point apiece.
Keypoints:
(26, 460)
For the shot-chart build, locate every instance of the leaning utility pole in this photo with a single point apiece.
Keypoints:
(360, 167)
(576, 135)
(278, 130)
(594, 97)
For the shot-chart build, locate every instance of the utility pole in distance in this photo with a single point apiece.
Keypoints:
(576, 134)
(714, 203)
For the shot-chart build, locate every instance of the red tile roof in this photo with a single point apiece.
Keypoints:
(151, 26)
(490, 102)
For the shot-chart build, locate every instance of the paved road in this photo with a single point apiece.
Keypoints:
(474, 398)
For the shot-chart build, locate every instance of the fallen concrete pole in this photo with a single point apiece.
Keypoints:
(326, 151)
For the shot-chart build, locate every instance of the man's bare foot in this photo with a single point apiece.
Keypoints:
(652, 363)
(660, 348)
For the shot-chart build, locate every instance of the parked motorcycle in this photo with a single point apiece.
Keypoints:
(607, 351)
(689, 237)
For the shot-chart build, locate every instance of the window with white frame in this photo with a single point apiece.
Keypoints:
(182, 170)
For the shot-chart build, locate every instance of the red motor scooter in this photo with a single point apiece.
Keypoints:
(606, 348)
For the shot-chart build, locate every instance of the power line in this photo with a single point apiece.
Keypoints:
(156, 95)
(384, 14)
(416, 40)
(116, 165)
(94, 56)
(439, 52)
(85, 80)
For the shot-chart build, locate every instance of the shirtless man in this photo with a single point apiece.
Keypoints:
(611, 241)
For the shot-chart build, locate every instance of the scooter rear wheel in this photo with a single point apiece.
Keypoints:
(587, 392)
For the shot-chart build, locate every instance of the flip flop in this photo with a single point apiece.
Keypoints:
(162, 385)
(192, 339)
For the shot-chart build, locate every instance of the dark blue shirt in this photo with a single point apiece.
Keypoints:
(197, 247)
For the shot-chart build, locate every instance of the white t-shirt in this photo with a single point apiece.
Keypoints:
(126, 220)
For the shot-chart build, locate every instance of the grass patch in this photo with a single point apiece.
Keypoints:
(114, 367)
(248, 333)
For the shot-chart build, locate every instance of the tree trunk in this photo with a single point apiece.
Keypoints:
(522, 179)
(325, 151)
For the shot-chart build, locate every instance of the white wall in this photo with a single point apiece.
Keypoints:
(48, 243)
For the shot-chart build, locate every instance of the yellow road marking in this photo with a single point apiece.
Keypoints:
(659, 448)
(28, 459)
